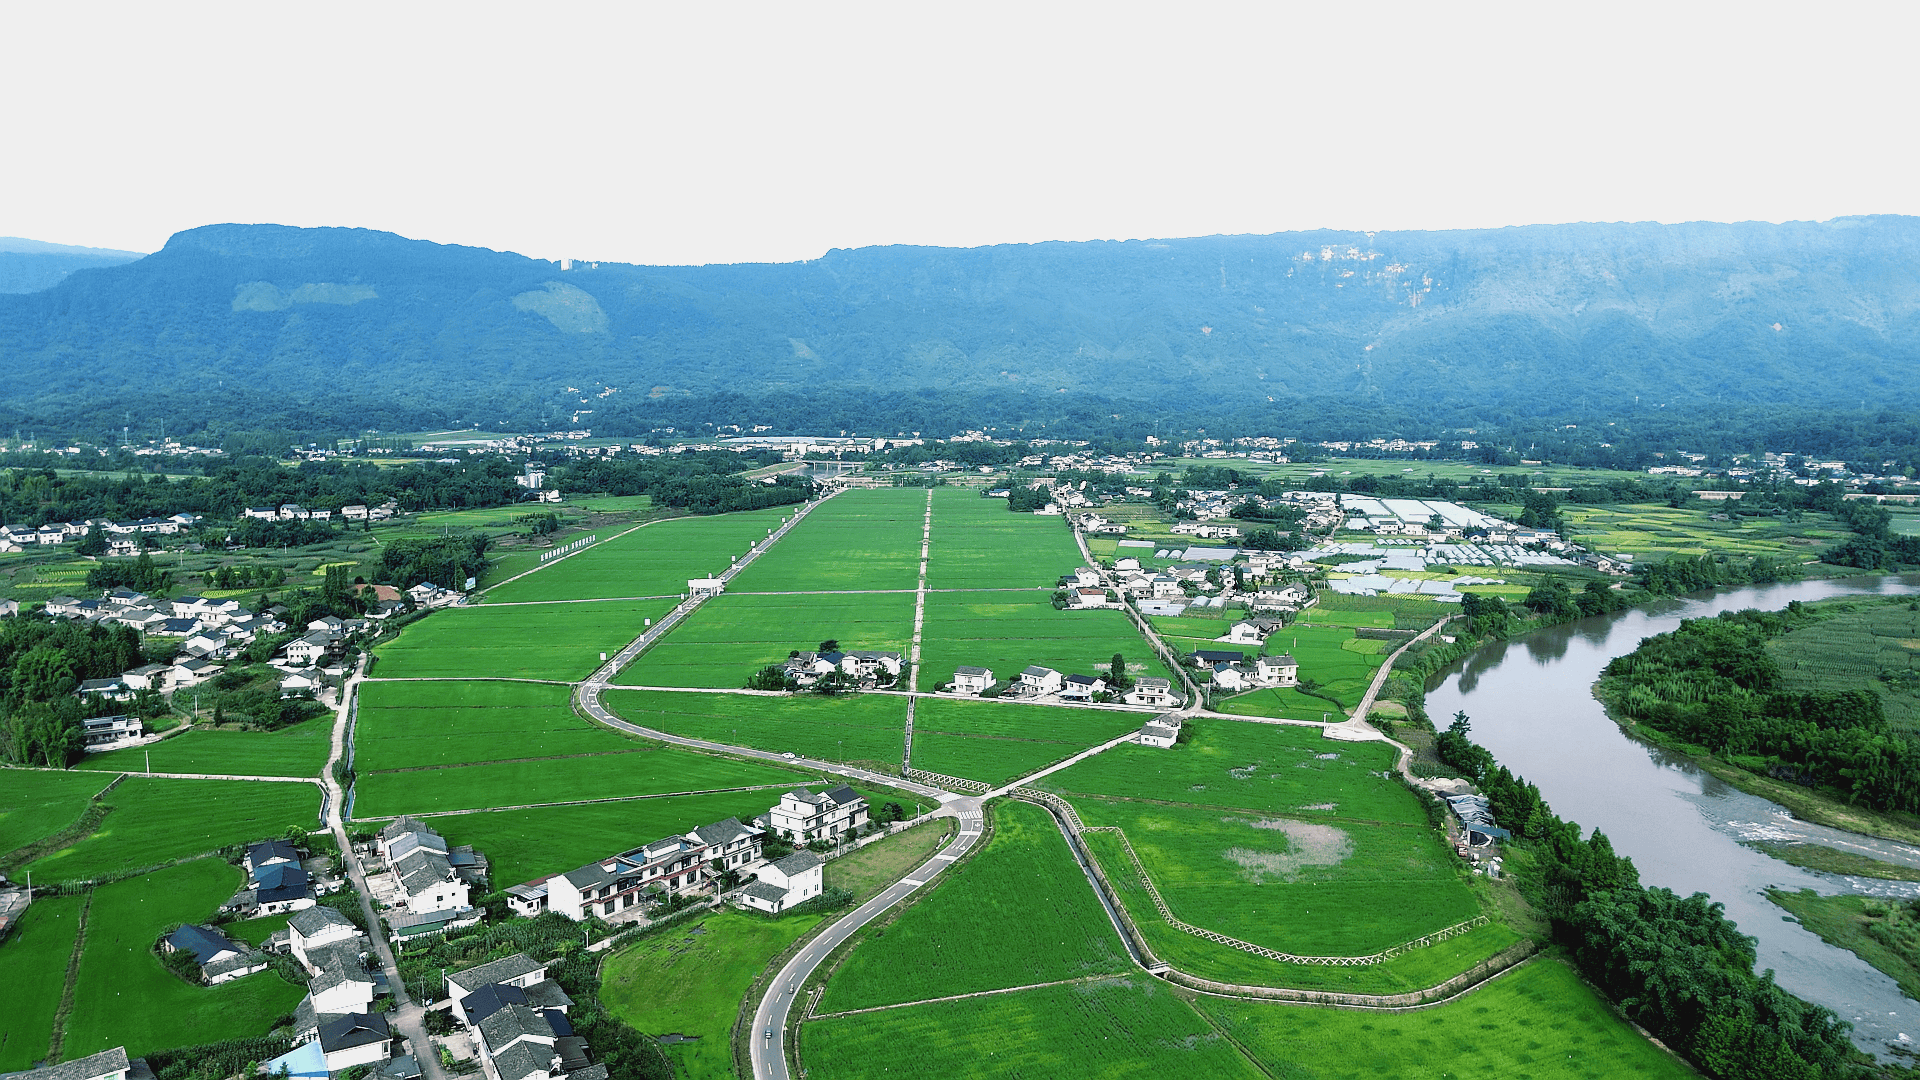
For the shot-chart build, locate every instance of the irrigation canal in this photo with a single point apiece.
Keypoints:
(1531, 703)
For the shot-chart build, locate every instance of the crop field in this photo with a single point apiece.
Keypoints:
(995, 742)
(849, 727)
(979, 544)
(156, 821)
(1261, 767)
(1865, 646)
(1655, 532)
(1134, 1027)
(125, 997)
(35, 958)
(612, 504)
(1401, 611)
(1332, 656)
(1008, 631)
(1537, 1021)
(458, 722)
(545, 641)
(691, 979)
(733, 636)
(1315, 887)
(35, 805)
(656, 560)
(1018, 912)
(639, 771)
(297, 750)
(855, 541)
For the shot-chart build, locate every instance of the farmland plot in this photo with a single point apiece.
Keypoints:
(1114, 1028)
(35, 805)
(297, 750)
(154, 821)
(850, 727)
(733, 636)
(855, 541)
(995, 742)
(545, 641)
(1009, 631)
(473, 721)
(656, 560)
(1017, 913)
(646, 769)
(35, 958)
(978, 544)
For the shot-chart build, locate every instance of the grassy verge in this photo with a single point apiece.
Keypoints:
(1884, 933)
(865, 872)
(1828, 861)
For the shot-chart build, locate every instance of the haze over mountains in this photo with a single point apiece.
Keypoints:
(32, 265)
(357, 328)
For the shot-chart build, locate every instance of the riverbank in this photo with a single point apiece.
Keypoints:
(1884, 933)
(1825, 860)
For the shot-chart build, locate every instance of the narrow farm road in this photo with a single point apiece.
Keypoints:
(919, 621)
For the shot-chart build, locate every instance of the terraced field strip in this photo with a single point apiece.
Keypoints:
(919, 622)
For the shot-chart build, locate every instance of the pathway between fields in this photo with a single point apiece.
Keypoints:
(919, 620)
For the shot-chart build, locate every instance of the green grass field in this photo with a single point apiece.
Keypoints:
(1539, 1021)
(298, 750)
(733, 636)
(1258, 767)
(850, 727)
(655, 560)
(979, 544)
(639, 771)
(1006, 632)
(690, 980)
(471, 721)
(35, 805)
(995, 742)
(126, 998)
(545, 641)
(858, 540)
(612, 504)
(1018, 912)
(1136, 1027)
(35, 958)
(1655, 532)
(156, 821)
(1862, 645)
(1282, 703)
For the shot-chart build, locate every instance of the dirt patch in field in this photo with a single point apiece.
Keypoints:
(1309, 844)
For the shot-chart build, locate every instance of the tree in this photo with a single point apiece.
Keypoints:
(94, 543)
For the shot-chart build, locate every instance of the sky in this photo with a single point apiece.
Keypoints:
(701, 133)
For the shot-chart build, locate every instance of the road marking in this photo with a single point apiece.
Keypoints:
(947, 857)
(910, 881)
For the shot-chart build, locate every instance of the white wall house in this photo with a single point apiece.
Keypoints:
(792, 880)
(801, 815)
(972, 680)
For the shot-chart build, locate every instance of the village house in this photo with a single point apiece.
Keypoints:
(1037, 681)
(146, 676)
(1282, 670)
(1090, 598)
(309, 649)
(422, 865)
(1207, 658)
(1250, 631)
(1230, 677)
(219, 958)
(114, 689)
(667, 866)
(513, 973)
(1081, 687)
(1161, 731)
(782, 884)
(801, 815)
(1151, 691)
(106, 1065)
(109, 732)
(358, 1038)
(972, 680)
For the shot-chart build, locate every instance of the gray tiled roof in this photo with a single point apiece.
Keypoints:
(798, 863)
(523, 1060)
(310, 921)
(724, 832)
(505, 1025)
(547, 994)
(338, 964)
(762, 890)
(399, 827)
(507, 967)
(104, 1063)
(354, 1029)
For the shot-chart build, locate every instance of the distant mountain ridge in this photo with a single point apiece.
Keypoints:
(360, 328)
(32, 265)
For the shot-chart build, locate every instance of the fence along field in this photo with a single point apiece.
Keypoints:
(978, 544)
(1132, 1027)
(656, 560)
(1019, 912)
(861, 539)
(545, 641)
(858, 727)
(995, 742)
(732, 636)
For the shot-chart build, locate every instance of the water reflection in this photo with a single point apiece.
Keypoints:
(1682, 827)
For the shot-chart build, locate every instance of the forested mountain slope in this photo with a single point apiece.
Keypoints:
(364, 328)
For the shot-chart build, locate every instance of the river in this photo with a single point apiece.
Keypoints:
(1531, 704)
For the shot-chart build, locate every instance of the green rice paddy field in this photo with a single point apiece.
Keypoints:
(1861, 646)
(853, 727)
(35, 805)
(733, 636)
(862, 539)
(35, 959)
(156, 821)
(409, 725)
(637, 771)
(979, 544)
(535, 641)
(124, 996)
(1007, 631)
(1132, 1027)
(298, 750)
(996, 742)
(1654, 532)
(656, 560)
(1018, 912)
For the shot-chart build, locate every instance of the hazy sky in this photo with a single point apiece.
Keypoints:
(685, 133)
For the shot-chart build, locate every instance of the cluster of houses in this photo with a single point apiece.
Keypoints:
(517, 1018)
(278, 882)
(295, 512)
(706, 860)
(862, 668)
(1230, 671)
(1477, 825)
(425, 885)
(1170, 591)
(122, 536)
(1039, 683)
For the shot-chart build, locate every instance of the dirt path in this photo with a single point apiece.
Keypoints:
(919, 621)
